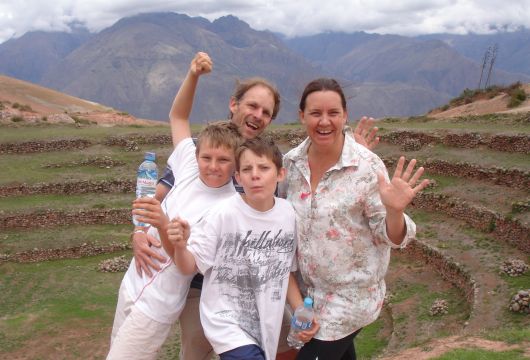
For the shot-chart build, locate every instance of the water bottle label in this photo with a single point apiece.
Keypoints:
(145, 182)
(300, 325)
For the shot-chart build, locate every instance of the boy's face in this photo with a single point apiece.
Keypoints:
(216, 164)
(258, 176)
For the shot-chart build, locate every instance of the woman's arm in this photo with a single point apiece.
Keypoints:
(397, 194)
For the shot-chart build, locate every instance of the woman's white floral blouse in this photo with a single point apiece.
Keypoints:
(343, 249)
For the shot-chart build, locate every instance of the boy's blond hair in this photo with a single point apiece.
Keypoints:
(219, 134)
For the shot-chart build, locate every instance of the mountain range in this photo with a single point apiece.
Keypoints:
(137, 65)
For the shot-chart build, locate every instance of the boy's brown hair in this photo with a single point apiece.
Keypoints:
(219, 134)
(261, 147)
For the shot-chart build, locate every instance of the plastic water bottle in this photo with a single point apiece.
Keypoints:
(301, 320)
(146, 179)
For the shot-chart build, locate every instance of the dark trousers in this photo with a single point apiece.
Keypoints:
(245, 352)
(342, 349)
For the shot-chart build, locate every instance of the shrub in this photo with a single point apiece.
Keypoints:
(465, 97)
(22, 107)
(17, 119)
(517, 96)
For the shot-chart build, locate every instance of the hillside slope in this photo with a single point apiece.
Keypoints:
(497, 104)
(26, 101)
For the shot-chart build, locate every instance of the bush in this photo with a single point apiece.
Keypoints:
(17, 119)
(465, 97)
(22, 107)
(517, 96)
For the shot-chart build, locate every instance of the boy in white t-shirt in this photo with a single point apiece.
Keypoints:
(148, 306)
(244, 247)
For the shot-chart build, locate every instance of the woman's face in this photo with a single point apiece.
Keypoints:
(324, 117)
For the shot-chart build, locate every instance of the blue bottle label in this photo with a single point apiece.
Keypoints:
(299, 324)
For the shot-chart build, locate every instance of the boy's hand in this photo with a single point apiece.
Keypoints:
(178, 232)
(148, 210)
(201, 64)
(365, 132)
(307, 335)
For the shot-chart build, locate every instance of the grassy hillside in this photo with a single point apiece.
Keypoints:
(63, 307)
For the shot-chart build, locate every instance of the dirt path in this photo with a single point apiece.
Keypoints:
(441, 346)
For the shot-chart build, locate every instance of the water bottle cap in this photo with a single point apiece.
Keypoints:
(308, 302)
(151, 156)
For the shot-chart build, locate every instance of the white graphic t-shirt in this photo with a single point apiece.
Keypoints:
(246, 257)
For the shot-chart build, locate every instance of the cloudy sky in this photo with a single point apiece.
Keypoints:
(292, 18)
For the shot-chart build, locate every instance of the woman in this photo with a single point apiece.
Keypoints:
(348, 218)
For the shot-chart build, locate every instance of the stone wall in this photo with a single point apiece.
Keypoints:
(75, 252)
(409, 140)
(507, 143)
(450, 270)
(508, 230)
(51, 218)
(125, 140)
(72, 187)
(29, 147)
(513, 178)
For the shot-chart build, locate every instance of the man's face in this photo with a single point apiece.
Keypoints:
(216, 164)
(253, 112)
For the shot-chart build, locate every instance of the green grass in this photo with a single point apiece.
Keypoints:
(517, 283)
(13, 241)
(510, 335)
(480, 354)
(370, 343)
(482, 157)
(29, 168)
(489, 123)
(31, 203)
(457, 305)
(40, 300)
(402, 291)
(94, 133)
(442, 181)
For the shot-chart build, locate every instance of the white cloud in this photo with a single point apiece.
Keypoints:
(405, 17)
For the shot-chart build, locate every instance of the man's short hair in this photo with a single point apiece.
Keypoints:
(260, 146)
